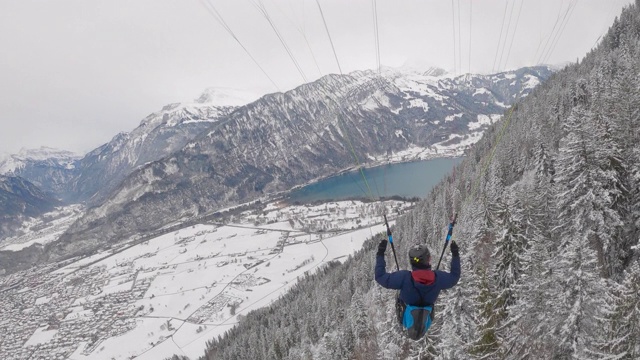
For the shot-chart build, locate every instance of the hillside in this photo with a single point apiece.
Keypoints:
(90, 178)
(49, 169)
(548, 228)
(20, 200)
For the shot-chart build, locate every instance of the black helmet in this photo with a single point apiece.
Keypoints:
(419, 256)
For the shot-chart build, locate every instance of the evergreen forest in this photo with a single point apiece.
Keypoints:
(548, 207)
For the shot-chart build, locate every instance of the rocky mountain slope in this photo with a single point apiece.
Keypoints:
(20, 199)
(287, 139)
(157, 136)
(49, 169)
(75, 179)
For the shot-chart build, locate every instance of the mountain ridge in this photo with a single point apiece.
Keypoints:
(89, 178)
(280, 141)
(286, 139)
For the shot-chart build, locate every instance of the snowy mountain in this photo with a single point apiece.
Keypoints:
(548, 226)
(74, 179)
(223, 97)
(19, 200)
(158, 135)
(31, 157)
(49, 169)
(287, 139)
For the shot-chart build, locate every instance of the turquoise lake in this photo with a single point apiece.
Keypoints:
(412, 179)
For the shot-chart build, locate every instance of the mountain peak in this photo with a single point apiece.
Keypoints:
(422, 67)
(9, 163)
(45, 153)
(218, 96)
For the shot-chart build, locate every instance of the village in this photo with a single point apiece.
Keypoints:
(185, 286)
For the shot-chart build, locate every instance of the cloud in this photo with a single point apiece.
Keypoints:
(74, 73)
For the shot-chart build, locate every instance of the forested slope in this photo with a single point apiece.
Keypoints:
(548, 230)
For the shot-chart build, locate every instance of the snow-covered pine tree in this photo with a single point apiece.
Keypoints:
(525, 325)
(623, 106)
(577, 305)
(456, 312)
(612, 176)
(576, 302)
(529, 323)
(509, 247)
(622, 327)
(487, 343)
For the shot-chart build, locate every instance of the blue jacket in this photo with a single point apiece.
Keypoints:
(428, 283)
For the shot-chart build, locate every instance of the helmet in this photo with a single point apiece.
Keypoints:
(419, 256)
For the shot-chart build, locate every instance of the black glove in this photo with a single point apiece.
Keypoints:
(382, 247)
(455, 251)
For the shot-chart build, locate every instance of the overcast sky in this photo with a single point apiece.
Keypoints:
(74, 73)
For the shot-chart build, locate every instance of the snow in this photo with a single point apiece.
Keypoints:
(50, 226)
(46, 153)
(10, 163)
(79, 313)
(80, 263)
(481, 91)
(457, 149)
(200, 121)
(221, 96)
(40, 336)
(531, 82)
(375, 100)
(414, 152)
(116, 287)
(80, 301)
(43, 300)
(198, 272)
(419, 84)
(209, 107)
(453, 117)
(171, 167)
(484, 120)
(143, 337)
(419, 103)
(369, 104)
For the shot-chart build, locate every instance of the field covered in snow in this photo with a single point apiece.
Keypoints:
(44, 229)
(172, 293)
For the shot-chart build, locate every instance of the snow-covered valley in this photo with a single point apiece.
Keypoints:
(172, 293)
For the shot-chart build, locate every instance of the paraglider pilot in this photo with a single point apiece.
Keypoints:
(421, 285)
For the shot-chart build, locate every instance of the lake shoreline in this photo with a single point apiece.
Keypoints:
(399, 177)
(370, 166)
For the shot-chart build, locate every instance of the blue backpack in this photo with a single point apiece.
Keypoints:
(416, 319)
